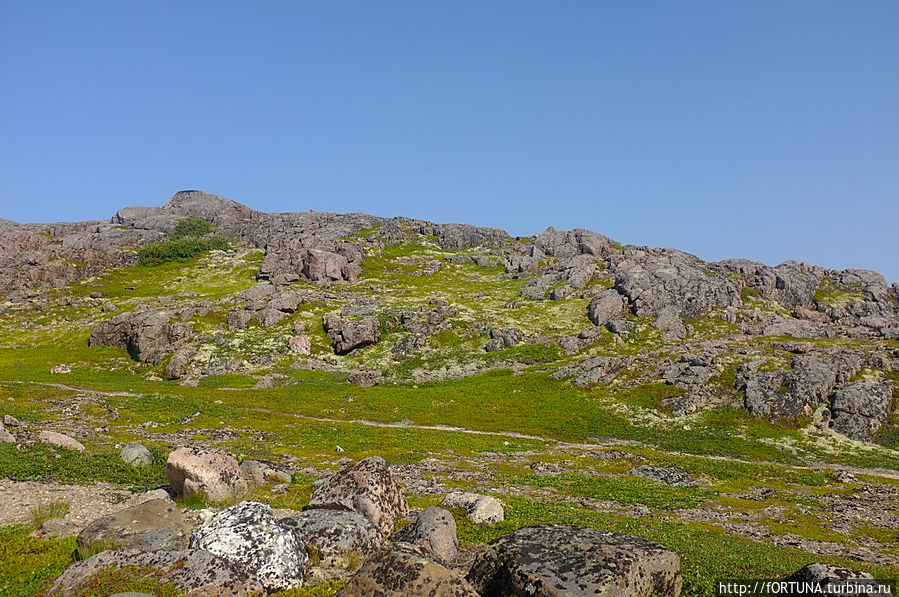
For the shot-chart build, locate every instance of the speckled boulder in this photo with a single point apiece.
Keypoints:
(480, 508)
(210, 471)
(406, 571)
(435, 532)
(150, 526)
(829, 576)
(367, 488)
(341, 540)
(194, 573)
(136, 455)
(556, 561)
(250, 537)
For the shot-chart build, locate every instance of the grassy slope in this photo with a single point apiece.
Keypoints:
(306, 415)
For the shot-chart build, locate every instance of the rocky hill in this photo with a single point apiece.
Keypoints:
(580, 381)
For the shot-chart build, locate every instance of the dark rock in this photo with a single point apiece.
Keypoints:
(406, 571)
(828, 576)
(151, 526)
(555, 560)
(239, 319)
(195, 573)
(860, 408)
(147, 336)
(347, 335)
(340, 540)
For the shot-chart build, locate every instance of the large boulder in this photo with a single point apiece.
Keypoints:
(340, 540)
(212, 472)
(861, 407)
(556, 561)
(367, 488)
(435, 532)
(480, 508)
(147, 336)
(829, 577)
(347, 335)
(195, 573)
(250, 538)
(606, 306)
(325, 266)
(406, 571)
(151, 526)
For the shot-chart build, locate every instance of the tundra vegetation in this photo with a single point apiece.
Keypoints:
(743, 416)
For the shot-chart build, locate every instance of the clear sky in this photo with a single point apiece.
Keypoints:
(766, 129)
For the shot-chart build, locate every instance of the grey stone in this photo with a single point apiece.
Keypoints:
(406, 571)
(269, 317)
(347, 335)
(250, 538)
(151, 526)
(340, 539)
(435, 532)
(147, 336)
(828, 576)
(664, 475)
(557, 561)
(5, 436)
(239, 319)
(365, 487)
(136, 455)
(480, 508)
(259, 473)
(605, 307)
(861, 407)
(195, 573)
(212, 472)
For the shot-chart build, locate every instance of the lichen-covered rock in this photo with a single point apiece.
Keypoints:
(480, 508)
(406, 571)
(136, 455)
(556, 561)
(347, 335)
(341, 540)
(240, 318)
(435, 532)
(150, 526)
(250, 538)
(195, 573)
(60, 441)
(796, 328)
(213, 472)
(300, 344)
(269, 317)
(365, 487)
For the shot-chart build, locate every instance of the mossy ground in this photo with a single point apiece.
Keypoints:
(496, 421)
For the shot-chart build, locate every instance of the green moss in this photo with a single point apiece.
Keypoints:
(832, 295)
(27, 563)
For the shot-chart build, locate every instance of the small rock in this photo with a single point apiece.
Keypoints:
(10, 421)
(480, 508)
(5, 436)
(841, 476)
(60, 369)
(262, 473)
(61, 441)
(300, 345)
(137, 455)
(829, 576)
(664, 475)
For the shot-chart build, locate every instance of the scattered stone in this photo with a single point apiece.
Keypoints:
(435, 532)
(195, 573)
(136, 455)
(5, 436)
(843, 476)
(262, 473)
(665, 475)
(60, 369)
(249, 537)
(300, 344)
(213, 472)
(557, 561)
(406, 571)
(151, 526)
(480, 508)
(367, 488)
(60, 441)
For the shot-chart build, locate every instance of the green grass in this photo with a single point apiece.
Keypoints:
(42, 514)
(27, 563)
(179, 249)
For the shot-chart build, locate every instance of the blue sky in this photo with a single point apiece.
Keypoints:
(748, 128)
